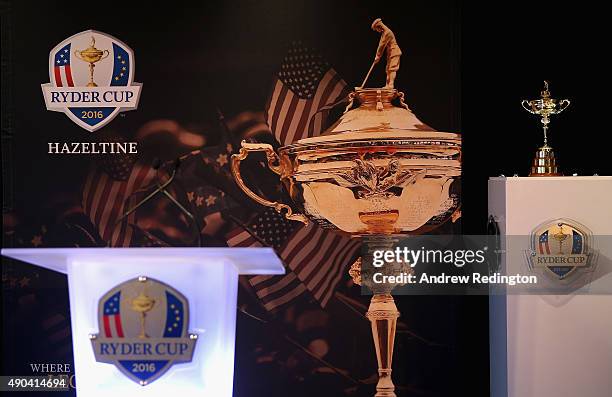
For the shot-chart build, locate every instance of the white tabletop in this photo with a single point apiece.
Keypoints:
(246, 260)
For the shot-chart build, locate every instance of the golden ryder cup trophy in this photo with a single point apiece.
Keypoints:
(91, 55)
(142, 304)
(544, 163)
(378, 173)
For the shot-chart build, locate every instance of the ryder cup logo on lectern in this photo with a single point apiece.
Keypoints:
(91, 76)
(143, 329)
(561, 247)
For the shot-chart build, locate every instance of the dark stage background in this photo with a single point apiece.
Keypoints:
(507, 50)
(464, 69)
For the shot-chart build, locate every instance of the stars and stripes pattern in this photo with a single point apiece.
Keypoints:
(576, 242)
(315, 260)
(121, 66)
(175, 316)
(112, 317)
(107, 194)
(56, 325)
(543, 243)
(319, 258)
(303, 92)
(61, 67)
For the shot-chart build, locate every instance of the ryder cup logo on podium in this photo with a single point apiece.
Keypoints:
(143, 329)
(562, 247)
(92, 79)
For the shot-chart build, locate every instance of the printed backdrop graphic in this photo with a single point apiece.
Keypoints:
(196, 58)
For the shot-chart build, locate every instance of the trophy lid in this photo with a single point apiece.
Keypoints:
(380, 115)
(379, 109)
(91, 50)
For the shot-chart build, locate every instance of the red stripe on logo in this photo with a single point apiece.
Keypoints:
(58, 76)
(118, 325)
(107, 329)
(544, 248)
(68, 75)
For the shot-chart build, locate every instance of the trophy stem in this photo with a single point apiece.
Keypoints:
(91, 74)
(143, 334)
(383, 315)
(142, 304)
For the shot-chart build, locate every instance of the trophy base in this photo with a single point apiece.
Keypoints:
(546, 174)
(92, 85)
(544, 163)
(383, 315)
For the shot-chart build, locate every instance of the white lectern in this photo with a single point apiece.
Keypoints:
(553, 345)
(166, 316)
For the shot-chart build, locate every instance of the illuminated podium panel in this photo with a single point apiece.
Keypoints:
(153, 321)
(553, 345)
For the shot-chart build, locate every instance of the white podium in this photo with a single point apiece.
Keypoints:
(552, 345)
(152, 310)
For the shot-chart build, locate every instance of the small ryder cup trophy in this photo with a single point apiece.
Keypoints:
(544, 163)
(91, 55)
(142, 304)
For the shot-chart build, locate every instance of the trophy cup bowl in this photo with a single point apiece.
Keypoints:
(91, 54)
(142, 303)
(372, 172)
(545, 107)
(376, 173)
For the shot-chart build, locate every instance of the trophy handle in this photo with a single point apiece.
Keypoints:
(526, 106)
(77, 54)
(106, 54)
(272, 160)
(563, 104)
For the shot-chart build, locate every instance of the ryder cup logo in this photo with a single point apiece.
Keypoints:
(561, 247)
(91, 76)
(143, 329)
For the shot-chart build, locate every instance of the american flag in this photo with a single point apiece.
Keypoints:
(108, 190)
(543, 243)
(112, 317)
(61, 67)
(304, 90)
(56, 325)
(315, 259)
